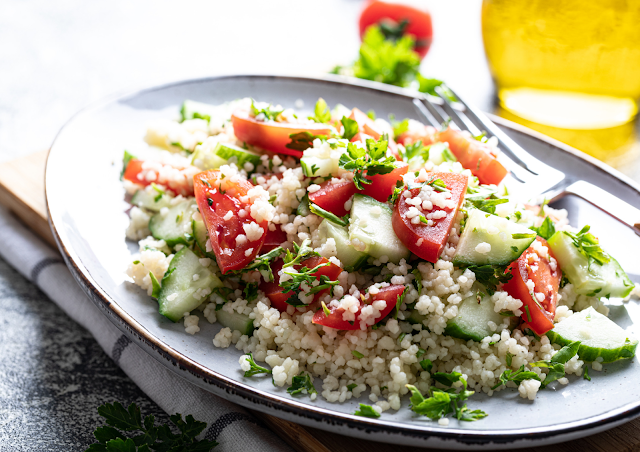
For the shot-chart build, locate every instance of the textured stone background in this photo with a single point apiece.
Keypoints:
(56, 58)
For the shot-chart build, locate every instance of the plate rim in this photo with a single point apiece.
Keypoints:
(280, 405)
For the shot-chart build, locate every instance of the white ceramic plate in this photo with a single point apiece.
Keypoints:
(87, 213)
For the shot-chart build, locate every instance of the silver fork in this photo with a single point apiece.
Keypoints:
(531, 179)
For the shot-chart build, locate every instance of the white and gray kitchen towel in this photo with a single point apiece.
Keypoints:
(232, 426)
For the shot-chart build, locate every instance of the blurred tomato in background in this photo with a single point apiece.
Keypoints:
(396, 20)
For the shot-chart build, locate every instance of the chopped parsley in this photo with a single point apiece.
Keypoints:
(546, 229)
(517, 376)
(352, 386)
(366, 411)
(145, 436)
(350, 128)
(317, 210)
(262, 264)
(589, 246)
(269, 112)
(302, 384)
(416, 150)
(303, 140)
(251, 291)
(126, 158)
(255, 368)
(523, 236)
(426, 364)
(442, 402)
(491, 276)
(399, 127)
(357, 354)
(155, 293)
(304, 275)
(321, 112)
(369, 162)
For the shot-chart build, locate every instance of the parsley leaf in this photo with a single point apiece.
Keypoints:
(399, 127)
(151, 437)
(317, 210)
(517, 376)
(251, 291)
(350, 128)
(369, 162)
(490, 276)
(367, 411)
(302, 384)
(357, 354)
(589, 246)
(321, 112)
(416, 150)
(126, 158)
(262, 264)
(487, 205)
(155, 285)
(546, 229)
(303, 140)
(255, 368)
(269, 112)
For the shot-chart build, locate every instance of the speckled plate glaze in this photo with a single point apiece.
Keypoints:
(88, 217)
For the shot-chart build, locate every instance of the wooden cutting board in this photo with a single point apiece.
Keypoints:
(22, 191)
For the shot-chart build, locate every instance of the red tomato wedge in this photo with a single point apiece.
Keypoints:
(231, 254)
(382, 185)
(392, 14)
(366, 124)
(272, 136)
(332, 196)
(274, 292)
(533, 266)
(426, 241)
(273, 239)
(389, 294)
(176, 180)
(427, 134)
(474, 155)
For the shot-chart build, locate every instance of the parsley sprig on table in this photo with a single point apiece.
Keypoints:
(367, 162)
(127, 432)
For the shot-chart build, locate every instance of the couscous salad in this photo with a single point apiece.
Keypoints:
(381, 257)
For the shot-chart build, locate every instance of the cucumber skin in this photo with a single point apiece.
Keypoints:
(235, 321)
(590, 354)
(586, 282)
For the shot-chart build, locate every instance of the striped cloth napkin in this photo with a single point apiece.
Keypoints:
(232, 426)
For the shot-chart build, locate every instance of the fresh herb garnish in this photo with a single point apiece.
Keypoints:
(357, 354)
(589, 246)
(255, 368)
(426, 364)
(317, 210)
(155, 293)
(546, 229)
(491, 276)
(352, 386)
(417, 279)
(367, 163)
(126, 158)
(148, 436)
(269, 112)
(366, 411)
(586, 373)
(416, 150)
(399, 127)
(262, 264)
(303, 140)
(251, 291)
(302, 384)
(520, 236)
(321, 112)
(350, 128)
(517, 376)
(487, 205)
(442, 402)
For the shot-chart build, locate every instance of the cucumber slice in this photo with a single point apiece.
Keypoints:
(235, 321)
(204, 159)
(317, 167)
(608, 280)
(371, 231)
(351, 258)
(482, 227)
(174, 226)
(151, 199)
(180, 293)
(196, 110)
(201, 235)
(473, 319)
(415, 317)
(599, 337)
(233, 154)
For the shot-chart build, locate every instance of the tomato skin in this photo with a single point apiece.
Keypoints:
(546, 282)
(332, 196)
(474, 155)
(428, 135)
(419, 27)
(433, 237)
(272, 136)
(274, 292)
(273, 239)
(178, 186)
(334, 320)
(382, 185)
(366, 124)
(223, 233)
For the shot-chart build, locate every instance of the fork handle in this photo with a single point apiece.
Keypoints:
(617, 208)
